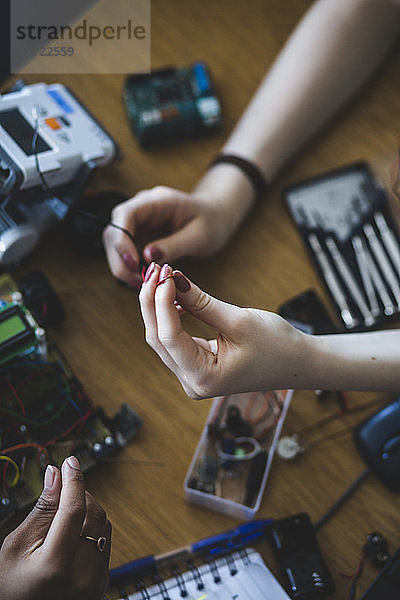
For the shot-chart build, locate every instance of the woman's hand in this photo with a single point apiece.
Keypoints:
(47, 556)
(253, 349)
(168, 224)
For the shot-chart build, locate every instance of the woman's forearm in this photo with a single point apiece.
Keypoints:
(356, 361)
(331, 53)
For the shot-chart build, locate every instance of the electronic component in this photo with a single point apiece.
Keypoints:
(170, 104)
(45, 412)
(377, 549)
(378, 440)
(125, 423)
(346, 224)
(17, 332)
(307, 312)
(67, 137)
(50, 145)
(387, 584)
(289, 447)
(41, 299)
(303, 568)
(230, 467)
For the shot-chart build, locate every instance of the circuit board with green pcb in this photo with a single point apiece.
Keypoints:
(45, 413)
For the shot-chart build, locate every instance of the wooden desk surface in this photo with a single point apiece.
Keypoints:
(264, 265)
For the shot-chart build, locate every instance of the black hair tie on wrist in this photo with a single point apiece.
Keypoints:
(252, 171)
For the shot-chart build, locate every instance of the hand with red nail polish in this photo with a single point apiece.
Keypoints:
(199, 224)
(48, 556)
(256, 349)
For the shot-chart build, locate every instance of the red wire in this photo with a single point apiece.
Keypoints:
(165, 279)
(358, 568)
(17, 396)
(27, 445)
(73, 426)
(19, 387)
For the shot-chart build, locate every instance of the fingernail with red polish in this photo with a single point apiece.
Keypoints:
(73, 462)
(149, 272)
(165, 270)
(155, 254)
(181, 282)
(49, 477)
(129, 262)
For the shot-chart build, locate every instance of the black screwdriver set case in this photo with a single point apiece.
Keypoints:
(346, 223)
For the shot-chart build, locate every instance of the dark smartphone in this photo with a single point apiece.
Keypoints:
(308, 313)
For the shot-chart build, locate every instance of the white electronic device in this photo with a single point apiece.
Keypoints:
(67, 137)
(49, 145)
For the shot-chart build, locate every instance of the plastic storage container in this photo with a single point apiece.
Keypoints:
(230, 466)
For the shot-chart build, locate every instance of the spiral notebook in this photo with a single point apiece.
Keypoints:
(241, 575)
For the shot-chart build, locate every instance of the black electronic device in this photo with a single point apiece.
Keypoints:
(378, 440)
(387, 584)
(50, 145)
(41, 299)
(307, 312)
(172, 103)
(346, 224)
(304, 571)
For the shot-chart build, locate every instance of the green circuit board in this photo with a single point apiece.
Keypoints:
(45, 413)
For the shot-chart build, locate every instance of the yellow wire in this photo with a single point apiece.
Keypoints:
(16, 467)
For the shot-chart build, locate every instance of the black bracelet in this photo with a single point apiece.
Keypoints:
(252, 171)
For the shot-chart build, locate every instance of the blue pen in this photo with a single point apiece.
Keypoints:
(221, 543)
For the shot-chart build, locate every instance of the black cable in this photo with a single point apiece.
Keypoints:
(48, 189)
(342, 499)
(353, 590)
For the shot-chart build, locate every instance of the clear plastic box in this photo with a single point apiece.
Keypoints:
(229, 469)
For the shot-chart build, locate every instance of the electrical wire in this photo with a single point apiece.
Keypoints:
(40, 448)
(80, 421)
(16, 467)
(325, 420)
(17, 396)
(64, 391)
(18, 417)
(355, 576)
(49, 190)
(342, 499)
(329, 437)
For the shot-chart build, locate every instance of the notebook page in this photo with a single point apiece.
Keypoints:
(252, 581)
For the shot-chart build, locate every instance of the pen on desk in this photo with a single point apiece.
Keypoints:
(332, 282)
(383, 261)
(349, 280)
(213, 546)
(362, 262)
(389, 239)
